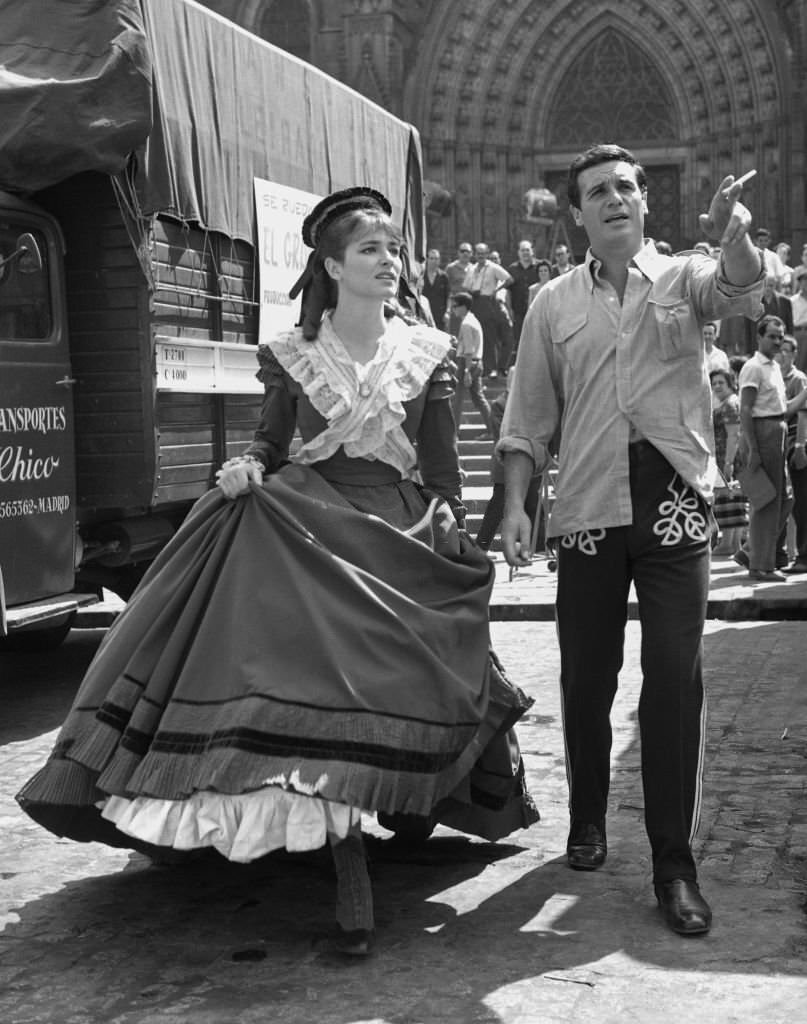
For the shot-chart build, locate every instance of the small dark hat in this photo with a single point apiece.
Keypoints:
(338, 203)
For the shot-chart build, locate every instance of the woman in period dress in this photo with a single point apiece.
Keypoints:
(313, 642)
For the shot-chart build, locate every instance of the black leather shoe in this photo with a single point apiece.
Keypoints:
(586, 847)
(683, 907)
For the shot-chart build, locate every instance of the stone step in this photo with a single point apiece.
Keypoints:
(480, 479)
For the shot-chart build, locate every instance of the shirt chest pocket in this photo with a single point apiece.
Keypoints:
(677, 327)
(566, 338)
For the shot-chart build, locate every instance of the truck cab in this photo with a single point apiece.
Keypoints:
(37, 462)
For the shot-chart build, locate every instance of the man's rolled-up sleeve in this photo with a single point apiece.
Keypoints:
(532, 414)
(717, 297)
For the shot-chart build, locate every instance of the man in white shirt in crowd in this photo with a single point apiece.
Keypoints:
(764, 408)
(773, 265)
(483, 279)
(716, 358)
(469, 363)
(798, 301)
(795, 383)
(563, 260)
(455, 272)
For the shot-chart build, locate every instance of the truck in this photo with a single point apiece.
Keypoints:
(133, 274)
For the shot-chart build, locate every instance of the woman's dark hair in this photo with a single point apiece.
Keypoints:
(543, 263)
(600, 154)
(727, 375)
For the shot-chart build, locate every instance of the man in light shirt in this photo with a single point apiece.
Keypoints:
(483, 279)
(469, 363)
(716, 358)
(563, 260)
(764, 408)
(773, 265)
(798, 300)
(455, 272)
(611, 362)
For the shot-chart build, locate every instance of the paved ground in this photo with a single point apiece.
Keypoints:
(468, 932)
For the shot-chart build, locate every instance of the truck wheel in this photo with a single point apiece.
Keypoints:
(31, 641)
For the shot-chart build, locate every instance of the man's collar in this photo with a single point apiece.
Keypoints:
(648, 260)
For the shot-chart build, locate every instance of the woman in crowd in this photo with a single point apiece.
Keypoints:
(731, 506)
(313, 643)
(544, 270)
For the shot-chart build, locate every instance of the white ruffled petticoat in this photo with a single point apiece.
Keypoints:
(241, 827)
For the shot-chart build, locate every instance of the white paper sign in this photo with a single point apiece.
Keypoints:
(280, 212)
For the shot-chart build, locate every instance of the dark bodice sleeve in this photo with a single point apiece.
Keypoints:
(436, 440)
(278, 414)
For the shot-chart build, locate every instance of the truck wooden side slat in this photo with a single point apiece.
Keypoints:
(88, 322)
(186, 455)
(104, 404)
(171, 494)
(188, 425)
(110, 364)
(201, 474)
(111, 422)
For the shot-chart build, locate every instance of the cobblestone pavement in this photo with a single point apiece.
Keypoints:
(468, 931)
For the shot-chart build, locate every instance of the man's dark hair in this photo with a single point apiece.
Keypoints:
(602, 153)
(463, 299)
(766, 322)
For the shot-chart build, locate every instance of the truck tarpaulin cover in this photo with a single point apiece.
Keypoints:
(75, 89)
(229, 107)
(206, 107)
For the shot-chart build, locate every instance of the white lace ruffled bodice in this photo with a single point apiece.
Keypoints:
(363, 405)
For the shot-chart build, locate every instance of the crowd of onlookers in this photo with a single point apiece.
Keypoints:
(482, 303)
(500, 295)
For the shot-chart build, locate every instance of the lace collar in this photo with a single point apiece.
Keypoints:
(364, 410)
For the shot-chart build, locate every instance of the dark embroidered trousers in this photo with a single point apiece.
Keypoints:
(665, 553)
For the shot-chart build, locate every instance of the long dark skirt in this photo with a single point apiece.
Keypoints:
(288, 639)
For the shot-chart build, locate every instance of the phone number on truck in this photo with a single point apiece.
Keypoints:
(34, 506)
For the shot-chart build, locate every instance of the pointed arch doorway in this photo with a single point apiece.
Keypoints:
(614, 91)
